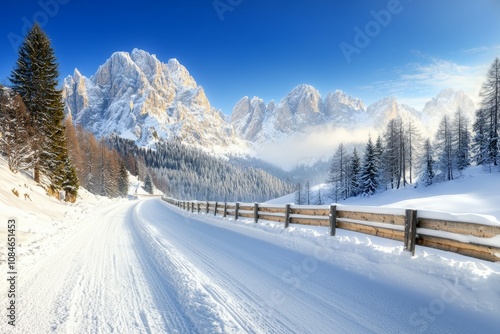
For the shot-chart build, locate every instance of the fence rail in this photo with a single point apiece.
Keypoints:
(471, 239)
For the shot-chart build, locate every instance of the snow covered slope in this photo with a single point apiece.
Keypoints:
(38, 216)
(475, 193)
(136, 96)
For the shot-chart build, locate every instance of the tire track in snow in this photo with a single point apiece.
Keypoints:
(94, 283)
(236, 308)
(201, 301)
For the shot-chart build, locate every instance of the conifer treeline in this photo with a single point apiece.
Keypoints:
(187, 173)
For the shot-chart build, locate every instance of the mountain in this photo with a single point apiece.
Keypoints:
(135, 96)
(344, 110)
(300, 110)
(384, 110)
(303, 110)
(447, 102)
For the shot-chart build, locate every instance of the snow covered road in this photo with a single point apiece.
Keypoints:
(147, 267)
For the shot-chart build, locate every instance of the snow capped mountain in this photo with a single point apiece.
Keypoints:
(382, 111)
(300, 110)
(303, 109)
(343, 109)
(447, 102)
(136, 96)
(248, 117)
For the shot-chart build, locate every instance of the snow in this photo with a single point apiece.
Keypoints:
(143, 266)
(473, 197)
(136, 187)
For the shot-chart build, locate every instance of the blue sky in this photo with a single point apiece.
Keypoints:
(411, 49)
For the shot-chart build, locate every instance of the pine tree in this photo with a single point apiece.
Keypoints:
(299, 194)
(338, 176)
(413, 138)
(444, 148)
(427, 165)
(307, 193)
(35, 79)
(148, 184)
(461, 140)
(354, 170)
(319, 198)
(480, 143)
(369, 173)
(70, 181)
(393, 153)
(123, 180)
(490, 93)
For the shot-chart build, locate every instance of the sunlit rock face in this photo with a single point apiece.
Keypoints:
(136, 96)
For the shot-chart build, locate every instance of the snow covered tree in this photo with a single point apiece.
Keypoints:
(307, 193)
(480, 142)
(413, 139)
(299, 195)
(444, 148)
(490, 104)
(319, 198)
(354, 171)
(35, 79)
(123, 180)
(338, 176)
(15, 131)
(427, 162)
(148, 184)
(369, 172)
(69, 183)
(461, 140)
(394, 153)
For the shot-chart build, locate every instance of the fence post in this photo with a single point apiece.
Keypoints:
(410, 230)
(184, 205)
(192, 207)
(287, 215)
(225, 210)
(207, 208)
(198, 206)
(333, 220)
(236, 210)
(256, 213)
(215, 210)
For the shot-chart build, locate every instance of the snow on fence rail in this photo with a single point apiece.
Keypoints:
(480, 241)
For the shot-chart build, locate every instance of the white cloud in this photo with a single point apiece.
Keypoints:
(319, 142)
(482, 49)
(417, 82)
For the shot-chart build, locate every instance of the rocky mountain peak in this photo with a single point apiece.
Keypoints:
(136, 96)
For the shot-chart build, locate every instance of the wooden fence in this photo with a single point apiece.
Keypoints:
(466, 238)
